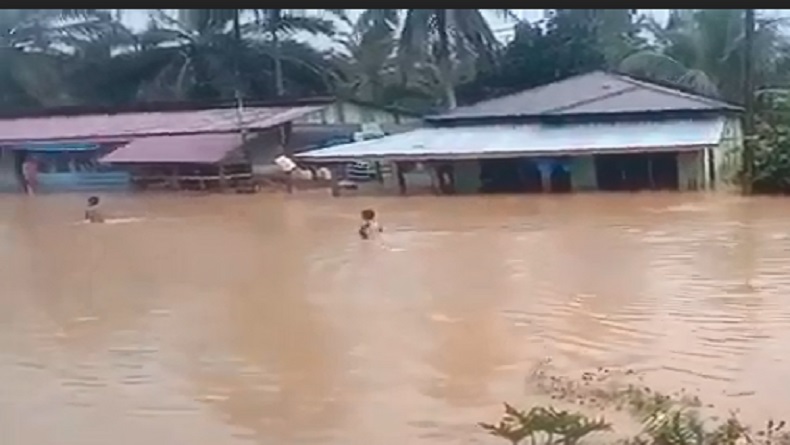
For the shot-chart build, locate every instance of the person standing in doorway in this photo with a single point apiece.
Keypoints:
(30, 175)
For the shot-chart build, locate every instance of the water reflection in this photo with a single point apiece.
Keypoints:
(263, 319)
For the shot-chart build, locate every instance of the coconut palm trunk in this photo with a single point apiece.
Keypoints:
(748, 101)
(444, 60)
(275, 17)
(237, 49)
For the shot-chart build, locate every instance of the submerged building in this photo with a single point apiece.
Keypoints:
(176, 145)
(596, 131)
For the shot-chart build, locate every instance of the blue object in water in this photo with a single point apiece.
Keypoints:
(60, 146)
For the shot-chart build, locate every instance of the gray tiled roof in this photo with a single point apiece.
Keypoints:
(597, 92)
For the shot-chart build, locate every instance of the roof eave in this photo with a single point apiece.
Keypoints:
(491, 154)
(487, 118)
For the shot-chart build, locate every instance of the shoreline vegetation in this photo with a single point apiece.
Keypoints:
(644, 416)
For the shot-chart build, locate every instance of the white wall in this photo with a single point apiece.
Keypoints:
(467, 176)
(350, 113)
(583, 175)
(691, 170)
(727, 155)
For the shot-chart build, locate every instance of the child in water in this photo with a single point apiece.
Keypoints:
(92, 213)
(370, 227)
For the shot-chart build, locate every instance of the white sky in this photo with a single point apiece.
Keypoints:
(138, 19)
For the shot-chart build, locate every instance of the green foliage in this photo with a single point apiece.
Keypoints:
(544, 426)
(572, 41)
(772, 151)
(674, 419)
(413, 58)
(702, 49)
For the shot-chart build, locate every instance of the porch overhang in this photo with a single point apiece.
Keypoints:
(191, 149)
(506, 141)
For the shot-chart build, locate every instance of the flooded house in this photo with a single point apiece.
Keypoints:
(596, 131)
(176, 145)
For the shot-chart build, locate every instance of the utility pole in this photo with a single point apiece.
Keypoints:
(749, 139)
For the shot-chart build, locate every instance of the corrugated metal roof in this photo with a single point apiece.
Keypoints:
(528, 140)
(597, 92)
(193, 149)
(132, 125)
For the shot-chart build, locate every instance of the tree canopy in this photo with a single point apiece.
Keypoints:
(428, 60)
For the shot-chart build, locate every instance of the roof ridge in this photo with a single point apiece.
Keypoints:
(589, 101)
(527, 90)
(670, 91)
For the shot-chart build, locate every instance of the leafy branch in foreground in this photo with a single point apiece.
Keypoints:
(544, 426)
(663, 419)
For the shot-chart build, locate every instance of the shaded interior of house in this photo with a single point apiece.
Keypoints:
(616, 172)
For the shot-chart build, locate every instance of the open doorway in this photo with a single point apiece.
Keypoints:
(560, 179)
(510, 175)
(637, 171)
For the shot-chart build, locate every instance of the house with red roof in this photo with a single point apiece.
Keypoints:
(174, 145)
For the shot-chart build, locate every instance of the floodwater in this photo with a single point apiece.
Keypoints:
(263, 319)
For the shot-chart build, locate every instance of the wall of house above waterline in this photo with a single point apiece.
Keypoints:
(684, 170)
(342, 112)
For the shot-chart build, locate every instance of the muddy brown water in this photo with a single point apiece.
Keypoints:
(265, 320)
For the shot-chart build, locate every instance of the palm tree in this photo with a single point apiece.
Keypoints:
(275, 25)
(368, 70)
(196, 54)
(703, 50)
(31, 60)
(280, 23)
(214, 53)
(443, 36)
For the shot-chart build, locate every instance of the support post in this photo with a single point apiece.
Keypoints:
(651, 181)
(289, 181)
(433, 169)
(223, 180)
(174, 178)
(379, 174)
(335, 179)
(401, 178)
(545, 168)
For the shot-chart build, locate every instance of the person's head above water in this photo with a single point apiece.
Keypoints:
(93, 201)
(368, 215)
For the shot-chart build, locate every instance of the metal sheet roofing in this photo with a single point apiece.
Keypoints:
(192, 149)
(528, 140)
(597, 92)
(133, 125)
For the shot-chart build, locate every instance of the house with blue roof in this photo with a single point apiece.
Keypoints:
(596, 131)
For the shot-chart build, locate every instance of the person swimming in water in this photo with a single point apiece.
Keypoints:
(92, 213)
(370, 227)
